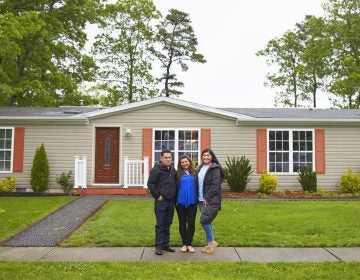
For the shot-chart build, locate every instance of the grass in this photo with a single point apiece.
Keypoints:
(239, 223)
(16, 213)
(173, 270)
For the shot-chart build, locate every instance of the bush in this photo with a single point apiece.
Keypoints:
(66, 181)
(40, 171)
(307, 179)
(350, 182)
(268, 183)
(237, 172)
(8, 184)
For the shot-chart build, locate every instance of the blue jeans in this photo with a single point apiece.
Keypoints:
(164, 212)
(207, 227)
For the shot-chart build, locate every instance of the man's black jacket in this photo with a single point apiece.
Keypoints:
(162, 181)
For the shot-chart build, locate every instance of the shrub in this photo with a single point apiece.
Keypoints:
(268, 183)
(237, 172)
(66, 181)
(350, 182)
(307, 179)
(8, 184)
(40, 171)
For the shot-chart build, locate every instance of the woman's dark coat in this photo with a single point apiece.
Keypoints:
(211, 193)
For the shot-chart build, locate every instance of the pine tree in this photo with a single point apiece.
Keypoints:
(40, 170)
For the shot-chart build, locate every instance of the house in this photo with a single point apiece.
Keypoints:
(112, 149)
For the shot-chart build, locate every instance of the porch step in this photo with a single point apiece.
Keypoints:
(102, 190)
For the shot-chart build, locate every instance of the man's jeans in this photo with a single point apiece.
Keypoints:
(164, 212)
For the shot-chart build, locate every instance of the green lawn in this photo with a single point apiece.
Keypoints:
(173, 270)
(16, 213)
(239, 223)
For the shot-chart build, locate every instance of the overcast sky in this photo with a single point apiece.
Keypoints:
(229, 34)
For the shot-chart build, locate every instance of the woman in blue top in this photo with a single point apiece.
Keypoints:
(186, 205)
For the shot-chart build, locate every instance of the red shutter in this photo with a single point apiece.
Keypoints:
(147, 144)
(19, 149)
(205, 136)
(320, 151)
(261, 150)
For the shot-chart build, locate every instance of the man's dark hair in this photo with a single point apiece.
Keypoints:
(166, 151)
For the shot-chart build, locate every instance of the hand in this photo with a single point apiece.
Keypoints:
(160, 198)
(205, 203)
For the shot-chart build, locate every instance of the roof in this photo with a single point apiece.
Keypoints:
(242, 116)
(46, 111)
(298, 113)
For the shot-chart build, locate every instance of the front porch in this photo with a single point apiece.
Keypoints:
(135, 176)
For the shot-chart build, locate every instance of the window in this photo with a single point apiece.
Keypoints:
(290, 149)
(179, 141)
(6, 140)
(107, 151)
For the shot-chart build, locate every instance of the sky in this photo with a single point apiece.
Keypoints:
(229, 33)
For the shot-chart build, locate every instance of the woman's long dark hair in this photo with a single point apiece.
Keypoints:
(214, 159)
(181, 170)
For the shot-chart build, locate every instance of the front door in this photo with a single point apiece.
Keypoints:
(107, 155)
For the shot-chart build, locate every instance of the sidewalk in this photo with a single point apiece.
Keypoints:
(146, 254)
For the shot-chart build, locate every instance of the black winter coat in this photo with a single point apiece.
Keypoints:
(211, 193)
(162, 181)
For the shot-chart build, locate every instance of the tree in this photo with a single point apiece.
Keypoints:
(41, 58)
(285, 54)
(314, 58)
(344, 28)
(122, 49)
(177, 43)
(40, 170)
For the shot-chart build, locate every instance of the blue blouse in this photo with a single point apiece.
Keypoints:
(187, 195)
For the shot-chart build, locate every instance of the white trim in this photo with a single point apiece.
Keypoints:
(11, 149)
(286, 121)
(176, 150)
(291, 152)
(168, 100)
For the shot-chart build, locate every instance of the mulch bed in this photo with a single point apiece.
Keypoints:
(289, 195)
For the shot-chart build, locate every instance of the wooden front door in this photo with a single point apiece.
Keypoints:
(107, 155)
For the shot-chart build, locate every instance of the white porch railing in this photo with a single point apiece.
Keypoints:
(136, 172)
(80, 172)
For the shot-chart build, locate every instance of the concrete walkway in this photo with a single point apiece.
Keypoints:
(146, 254)
(55, 227)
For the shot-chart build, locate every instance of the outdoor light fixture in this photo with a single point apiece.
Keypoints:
(128, 132)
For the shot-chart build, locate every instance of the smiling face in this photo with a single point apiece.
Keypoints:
(185, 164)
(206, 158)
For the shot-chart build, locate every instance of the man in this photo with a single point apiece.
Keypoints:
(162, 186)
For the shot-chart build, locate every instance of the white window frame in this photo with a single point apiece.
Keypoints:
(176, 150)
(291, 151)
(11, 149)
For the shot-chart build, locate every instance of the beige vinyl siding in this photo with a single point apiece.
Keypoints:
(342, 151)
(62, 143)
(226, 138)
(229, 139)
